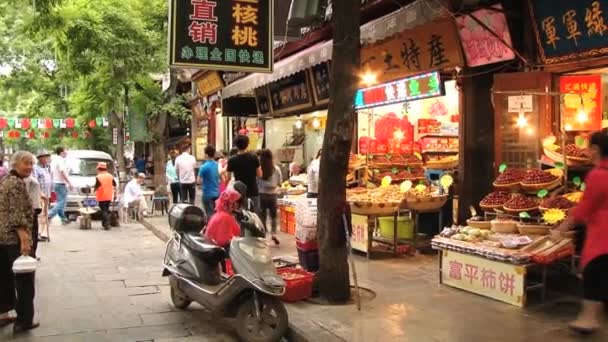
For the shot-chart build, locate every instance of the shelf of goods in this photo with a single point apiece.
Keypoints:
(496, 254)
(287, 212)
(385, 216)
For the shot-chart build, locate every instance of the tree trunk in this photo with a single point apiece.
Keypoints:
(118, 123)
(333, 275)
(158, 127)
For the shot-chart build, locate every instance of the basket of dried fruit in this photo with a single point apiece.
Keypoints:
(510, 179)
(533, 229)
(373, 208)
(557, 202)
(536, 180)
(519, 204)
(495, 200)
(425, 203)
(577, 154)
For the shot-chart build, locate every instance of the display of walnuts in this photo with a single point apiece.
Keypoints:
(521, 202)
(510, 176)
(536, 176)
(558, 202)
(496, 198)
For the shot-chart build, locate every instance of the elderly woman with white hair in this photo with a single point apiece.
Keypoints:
(16, 290)
(134, 195)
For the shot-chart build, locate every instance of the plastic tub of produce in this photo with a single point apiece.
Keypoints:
(298, 284)
(405, 227)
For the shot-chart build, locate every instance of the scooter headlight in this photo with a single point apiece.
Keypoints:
(261, 255)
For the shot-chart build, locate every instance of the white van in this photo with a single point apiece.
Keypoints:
(82, 167)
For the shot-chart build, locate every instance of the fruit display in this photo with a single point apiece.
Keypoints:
(521, 203)
(575, 152)
(536, 176)
(356, 160)
(413, 173)
(468, 234)
(510, 177)
(390, 194)
(495, 199)
(394, 159)
(557, 202)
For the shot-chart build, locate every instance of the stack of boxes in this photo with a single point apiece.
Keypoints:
(306, 234)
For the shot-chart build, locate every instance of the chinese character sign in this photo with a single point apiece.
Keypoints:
(568, 30)
(359, 236)
(480, 46)
(494, 279)
(432, 46)
(228, 35)
(582, 109)
(407, 89)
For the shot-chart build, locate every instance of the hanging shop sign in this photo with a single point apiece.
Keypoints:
(221, 35)
(494, 279)
(290, 94)
(262, 100)
(517, 103)
(407, 89)
(427, 47)
(569, 30)
(481, 46)
(320, 80)
(582, 109)
(209, 83)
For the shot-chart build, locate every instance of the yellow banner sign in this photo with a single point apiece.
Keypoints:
(494, 279)
(358, 240)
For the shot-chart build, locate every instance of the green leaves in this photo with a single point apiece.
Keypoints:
(524, 215)
(542, 193)
(502, 167)
(577, 181)
(559, 165)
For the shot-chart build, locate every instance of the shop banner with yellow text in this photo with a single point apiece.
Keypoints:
(494, 279)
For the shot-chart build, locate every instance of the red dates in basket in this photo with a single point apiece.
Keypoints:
(521, 202)
(536, 176)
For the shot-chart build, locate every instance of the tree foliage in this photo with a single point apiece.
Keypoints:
(78, 58)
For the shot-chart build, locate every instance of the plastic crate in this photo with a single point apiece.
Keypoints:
(405, 227)
(298, 284)
(309, 260)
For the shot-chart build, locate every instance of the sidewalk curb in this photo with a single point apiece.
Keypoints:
(294, 334)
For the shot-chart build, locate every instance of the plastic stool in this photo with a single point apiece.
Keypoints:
(164, 204)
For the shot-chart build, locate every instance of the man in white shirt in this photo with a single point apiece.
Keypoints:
(185, 166)
(61, 183)
(134, 195)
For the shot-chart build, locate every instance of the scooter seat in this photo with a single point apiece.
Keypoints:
(195, 242)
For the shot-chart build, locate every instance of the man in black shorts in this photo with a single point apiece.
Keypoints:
(246, 168)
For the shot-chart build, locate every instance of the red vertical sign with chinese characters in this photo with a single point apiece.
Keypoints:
(228, 35)
(582, 110)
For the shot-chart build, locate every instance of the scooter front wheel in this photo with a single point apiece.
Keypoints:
(179, 299)
(269, 327)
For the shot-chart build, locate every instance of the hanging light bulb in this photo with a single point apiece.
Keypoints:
(316, 123)
(582, 115)
(298, 124)
(522, 121)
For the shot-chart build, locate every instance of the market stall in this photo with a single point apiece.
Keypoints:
(496, 253)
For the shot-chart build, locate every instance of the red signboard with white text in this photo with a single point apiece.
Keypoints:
(582, 110)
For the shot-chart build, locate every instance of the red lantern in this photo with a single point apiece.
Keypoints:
(31, 134)
(92, 124)
(16, 134)
(243, 131)
(74, 134)
(45, 135)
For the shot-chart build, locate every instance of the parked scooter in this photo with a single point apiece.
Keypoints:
(250, 295)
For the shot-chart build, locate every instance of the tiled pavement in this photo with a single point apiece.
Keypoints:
(106, 286)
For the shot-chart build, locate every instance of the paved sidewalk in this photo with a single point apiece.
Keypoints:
(410, 305)
(106, 286)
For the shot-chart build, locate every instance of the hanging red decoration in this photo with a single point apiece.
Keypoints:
(45, 135)
(74, 134)
(69, 123)
(31, 134)
(16, 134)
(243, 131)
(25, 123)
(48, 123)
(92, 124)
(3, 123)
(258, 129)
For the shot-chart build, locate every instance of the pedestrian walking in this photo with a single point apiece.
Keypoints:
(592, 211)
(42, 172)
(33, 190)
(209, 178)
(16, 290)
(61, 184)
(171, 174)
(105, 185)
(268, 184)
(185, 165)
(246, 168)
